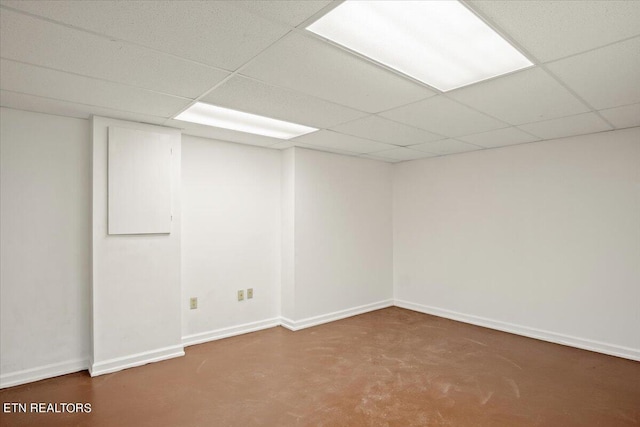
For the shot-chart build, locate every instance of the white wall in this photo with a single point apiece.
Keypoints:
(343, 233)
(309, 231)
(231, 237)
(541, 239)
(287, 270)
(136, 308)
(45, 229)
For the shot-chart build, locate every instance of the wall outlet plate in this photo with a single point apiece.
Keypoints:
(193, 303)
(240, 295)
(249, 293)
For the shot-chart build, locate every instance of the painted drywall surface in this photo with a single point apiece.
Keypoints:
(45, 237)
(136, 278)
(231, 233)
(343, 233)
(543, 235)
(287, 270)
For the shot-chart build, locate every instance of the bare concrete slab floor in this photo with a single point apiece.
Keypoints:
(392, 367)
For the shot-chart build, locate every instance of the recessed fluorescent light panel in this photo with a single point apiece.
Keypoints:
(211, 115)
(440, 43)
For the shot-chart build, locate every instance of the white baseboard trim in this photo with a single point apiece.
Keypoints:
(554, 337)
(296, 325)
(117, 364)
(231, 331)
(42, 372)
(120, 363)
(139, 359)
(288, 323)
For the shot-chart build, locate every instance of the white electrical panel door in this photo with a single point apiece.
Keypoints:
(139, 182)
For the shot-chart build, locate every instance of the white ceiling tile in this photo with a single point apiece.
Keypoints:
(63, 48)
(379, 129)
(251, 96)
(623, 117)
(567, 126)
(142, 61)
(443, 116)
(43, 82)
(380, 159)
(220, 134)
(21, 101)
(527, 96)
(445, 146)
(317, 68)
(555, 29)
(402, 153)
(499, 138)
(288, 12)
(326, 149)
(339, 141)
(212, 32)
(605, 78)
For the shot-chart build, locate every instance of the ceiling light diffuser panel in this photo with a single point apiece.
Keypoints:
(440, 43)
(212, 115)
